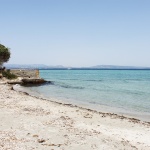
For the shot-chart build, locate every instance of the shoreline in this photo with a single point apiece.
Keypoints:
(30, 122)
(104, 113)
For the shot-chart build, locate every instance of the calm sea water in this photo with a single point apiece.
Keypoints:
(122, 91)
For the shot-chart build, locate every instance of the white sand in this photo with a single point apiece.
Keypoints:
(28, 123)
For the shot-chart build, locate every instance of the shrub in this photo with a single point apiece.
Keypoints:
(9, 75)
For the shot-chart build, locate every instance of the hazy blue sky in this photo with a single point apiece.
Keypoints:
(76, 32)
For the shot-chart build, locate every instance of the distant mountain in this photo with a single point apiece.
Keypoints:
(30, 66)
(42, 66)
(118, 67)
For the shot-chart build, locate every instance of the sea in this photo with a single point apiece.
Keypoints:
(125, 92)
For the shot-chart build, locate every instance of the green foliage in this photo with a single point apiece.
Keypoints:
(8, 75)
(4, 54)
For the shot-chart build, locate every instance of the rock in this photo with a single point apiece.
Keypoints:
(30, 81)
(14, 82)
(33, 81)
(11, 88)
(41, 140)
(35, 136)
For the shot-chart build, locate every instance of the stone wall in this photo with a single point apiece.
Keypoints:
(25, 73)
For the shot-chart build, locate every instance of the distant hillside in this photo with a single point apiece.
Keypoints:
(30, 66)
(118, 67)
(42, 66)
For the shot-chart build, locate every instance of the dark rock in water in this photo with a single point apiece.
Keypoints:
(49, 82)
(14, 82)
(33, 81)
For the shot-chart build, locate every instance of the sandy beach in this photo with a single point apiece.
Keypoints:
(28, 123)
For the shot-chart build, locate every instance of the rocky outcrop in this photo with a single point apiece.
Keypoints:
(33, 81)
(29, 81)
(25, 73)
(27, 78)
(14, 82)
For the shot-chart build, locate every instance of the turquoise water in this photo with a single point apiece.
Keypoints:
(122, 91)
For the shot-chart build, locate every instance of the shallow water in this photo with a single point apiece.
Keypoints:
(119, 91)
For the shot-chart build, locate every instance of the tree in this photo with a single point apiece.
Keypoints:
(4, 54)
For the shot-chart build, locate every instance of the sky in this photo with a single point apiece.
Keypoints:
(77, 33)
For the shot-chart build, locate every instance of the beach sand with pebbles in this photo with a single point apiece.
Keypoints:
(28, 123)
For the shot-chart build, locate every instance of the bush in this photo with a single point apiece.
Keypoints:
(9, 75)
